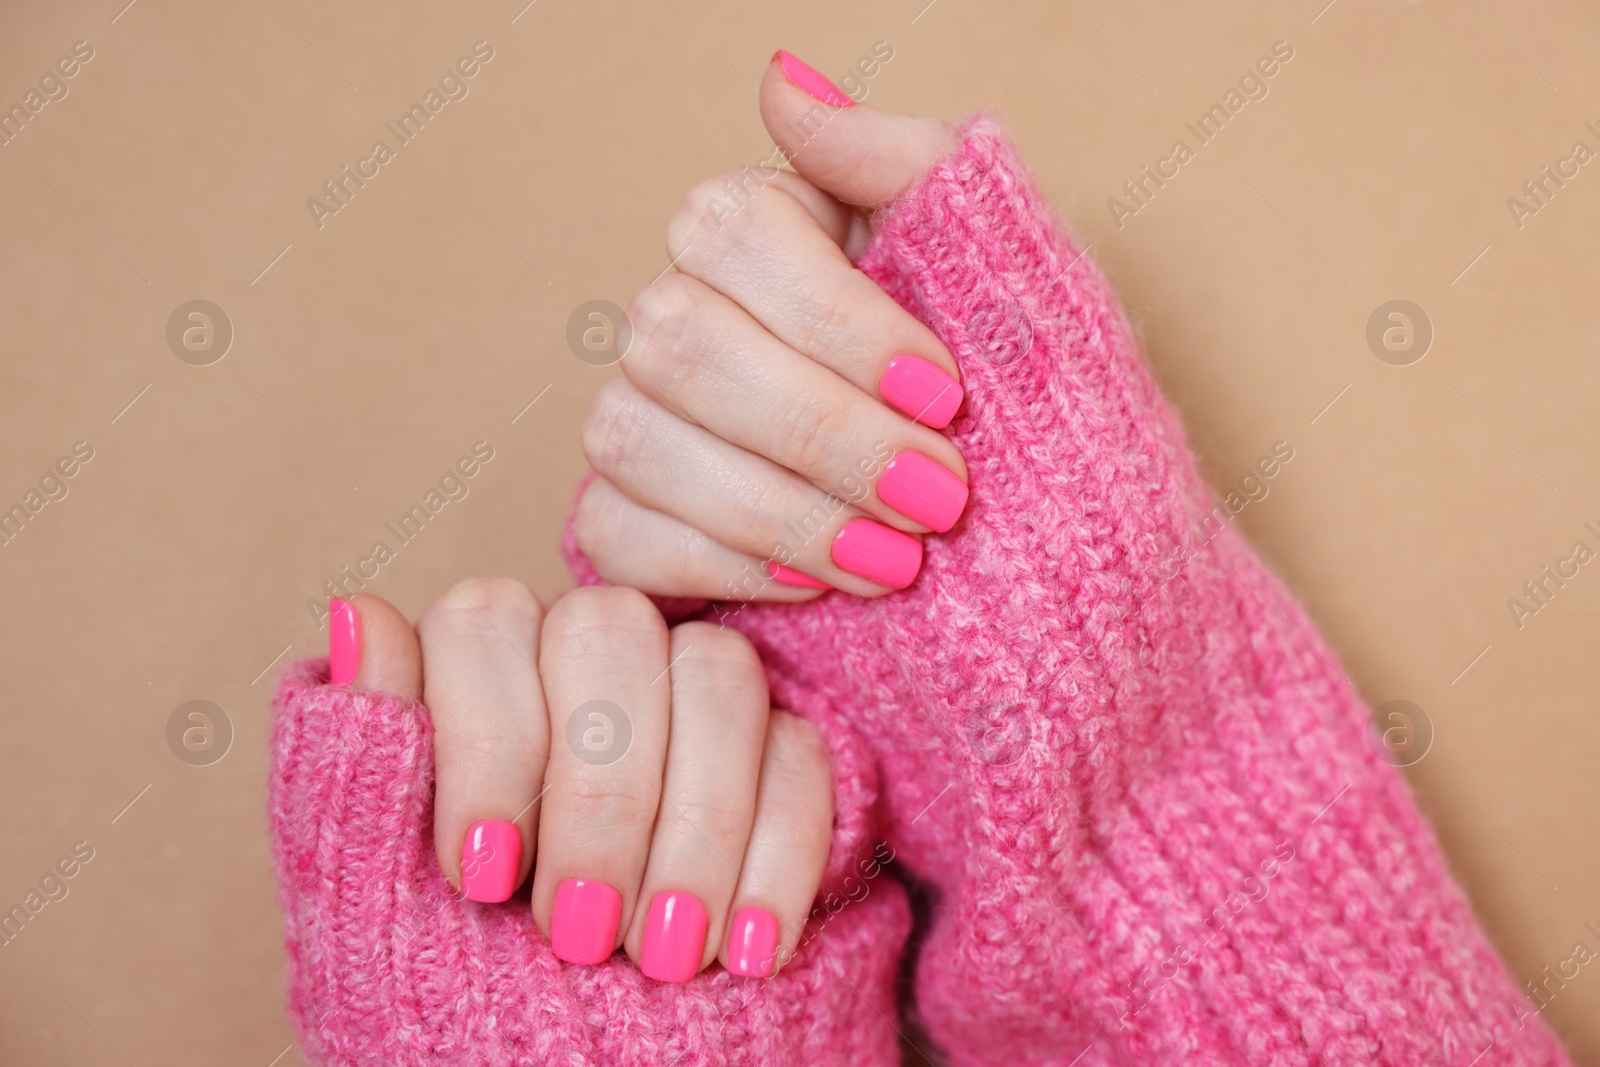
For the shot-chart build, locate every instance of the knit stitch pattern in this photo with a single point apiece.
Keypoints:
(1141, 794)
(1114, 755)
(391, 967)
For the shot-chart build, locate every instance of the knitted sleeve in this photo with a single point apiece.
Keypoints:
(1133, 782)
(389, 967)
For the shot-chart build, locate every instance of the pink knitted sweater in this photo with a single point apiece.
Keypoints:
(1102, 743)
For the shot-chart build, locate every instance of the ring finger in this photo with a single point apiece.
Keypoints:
(719, 723)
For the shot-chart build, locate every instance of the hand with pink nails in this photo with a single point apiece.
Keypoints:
(637, 772)
(776, 431)
(1083, 738)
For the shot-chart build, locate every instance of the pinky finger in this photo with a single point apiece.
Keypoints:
(632, 545)
(788, 849)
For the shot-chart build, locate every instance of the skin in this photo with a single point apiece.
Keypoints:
(716, 794)
(750, 387)
(749, 395)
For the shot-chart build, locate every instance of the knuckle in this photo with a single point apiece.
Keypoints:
(827, 316)
(486, 605)
(715, 818)
(811, 433)
(616, 427)
(611, 801)
(592, 522)
(723, 652)
(714, 210)
(799, 745)
(598, 616)
(663, 317)
(721, 670)
(699, 208)
(798, 753)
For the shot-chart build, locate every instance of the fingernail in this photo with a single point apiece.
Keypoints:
(674, 937)
(583, 924)
(878, 553)
(490, 860)
(753, 944)
(923, 490)
(917, 388)
(801, 74)
(344, 641)
(788, 576)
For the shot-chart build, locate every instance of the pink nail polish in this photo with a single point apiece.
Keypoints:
(753, 943)
(583, 924)
(344, 641)
(923, 490)
(491, 857)
(878, 553)
(779, 573)
(917, 388)
(674, 937)
(801, 74)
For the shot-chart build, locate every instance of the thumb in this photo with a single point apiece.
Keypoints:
(856, 153)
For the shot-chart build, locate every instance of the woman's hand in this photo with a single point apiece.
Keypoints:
(775, 433)
(675, 815)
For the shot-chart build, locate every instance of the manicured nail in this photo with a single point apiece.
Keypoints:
(583, 924)
(674, 937)
(923, 490)
(753, 943)
(344, 641)
(490, 860)
(878, 553)
(801, 74)
(788, 576)
(921, 390)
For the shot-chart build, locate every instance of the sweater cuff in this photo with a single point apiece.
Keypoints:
(975, 252)
(389, 965)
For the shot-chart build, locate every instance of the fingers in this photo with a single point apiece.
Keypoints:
(776, 252)
(372, 646)
(707, 359)
(787, 852)
(678, 819)
(491, 732)
(756, 506)
(790, 366)
(719, 728)
(633, 545)
(604, 660)
(852, 151)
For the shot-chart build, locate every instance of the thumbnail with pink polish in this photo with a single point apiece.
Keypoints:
(491, 856)
(753, 943)
(877, 553)
(583, 924)
(805, 77)
(915, 387)
(344, 641)
(674, 937)
(923, 490)
(788, 576)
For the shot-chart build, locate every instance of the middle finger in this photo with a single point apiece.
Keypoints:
(603, 656)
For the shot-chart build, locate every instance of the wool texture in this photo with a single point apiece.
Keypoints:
(1138, 794)
(1144, 801)
(390, 966)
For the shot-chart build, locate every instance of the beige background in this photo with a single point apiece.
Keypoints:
(427, 314)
